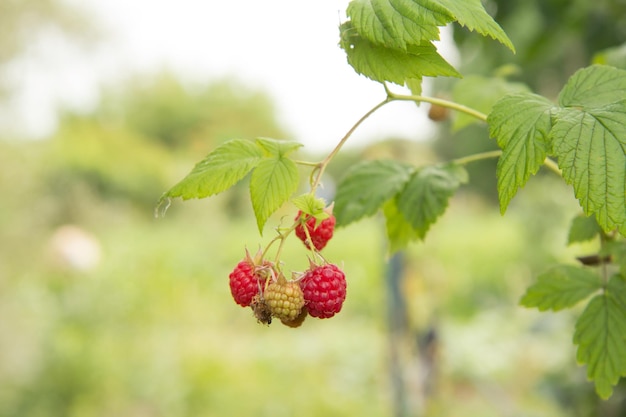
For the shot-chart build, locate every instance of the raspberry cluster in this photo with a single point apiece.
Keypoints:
(318, 292)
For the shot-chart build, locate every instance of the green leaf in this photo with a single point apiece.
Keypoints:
(365, 188)
(277, 148)
(615, 57)
(425, 197)
(394, 65)
(481, 93)
(583, 228)
(594, 88)
(399, 231)
(521, 124)
(220, 170)
(309, 204)
(415, 85)
(472, 15)
(601, 337)
(589, 139)
(561, 287)
(397, 23)
(273, 181)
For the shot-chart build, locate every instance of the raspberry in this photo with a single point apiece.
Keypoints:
(297, 322)
(324, 289)
(248, 278)
(320, 235)
(284, 299)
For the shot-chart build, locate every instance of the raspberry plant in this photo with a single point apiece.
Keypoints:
(580, 137)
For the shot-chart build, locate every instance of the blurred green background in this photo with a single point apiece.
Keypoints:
(106, 310)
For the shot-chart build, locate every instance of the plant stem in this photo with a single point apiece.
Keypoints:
(477, 157)
(552, 166)
(440, 102)
(322, 165)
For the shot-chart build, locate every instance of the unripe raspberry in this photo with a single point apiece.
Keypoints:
(297, 322)
(285, 299)
(320, 235)
(324, 289)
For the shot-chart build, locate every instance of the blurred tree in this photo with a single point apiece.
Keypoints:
(190, 116)
(24, 22)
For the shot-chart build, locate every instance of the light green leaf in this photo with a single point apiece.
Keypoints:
(220, 170)
(561, 287)
(309, 204)
(273, 181)
(583, 228)
(615, 57)
(415, 85)
(365, 188)
(481, 93)
(521, 125)
(601, 338)
(425, 197)
(472, 15)
(399, 231)
(277, 148)
(394, 65)
(397, 23)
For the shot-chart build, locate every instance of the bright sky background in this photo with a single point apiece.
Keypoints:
(287, 47)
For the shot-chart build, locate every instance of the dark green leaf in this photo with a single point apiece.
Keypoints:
(561, 287)
(220, 170)
(601, 338)
(590, 146)
(425, 197)
(521, 125)
(397, 23)
(273, 181)
(366, 187)
(589, 139)
(583, 228)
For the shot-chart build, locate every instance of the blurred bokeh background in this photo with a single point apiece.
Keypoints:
(107, 311)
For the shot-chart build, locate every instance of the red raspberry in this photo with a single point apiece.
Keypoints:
(244, 283)
(320, 235)
(324, 289)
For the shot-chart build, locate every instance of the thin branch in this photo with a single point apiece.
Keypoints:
(331, 155)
